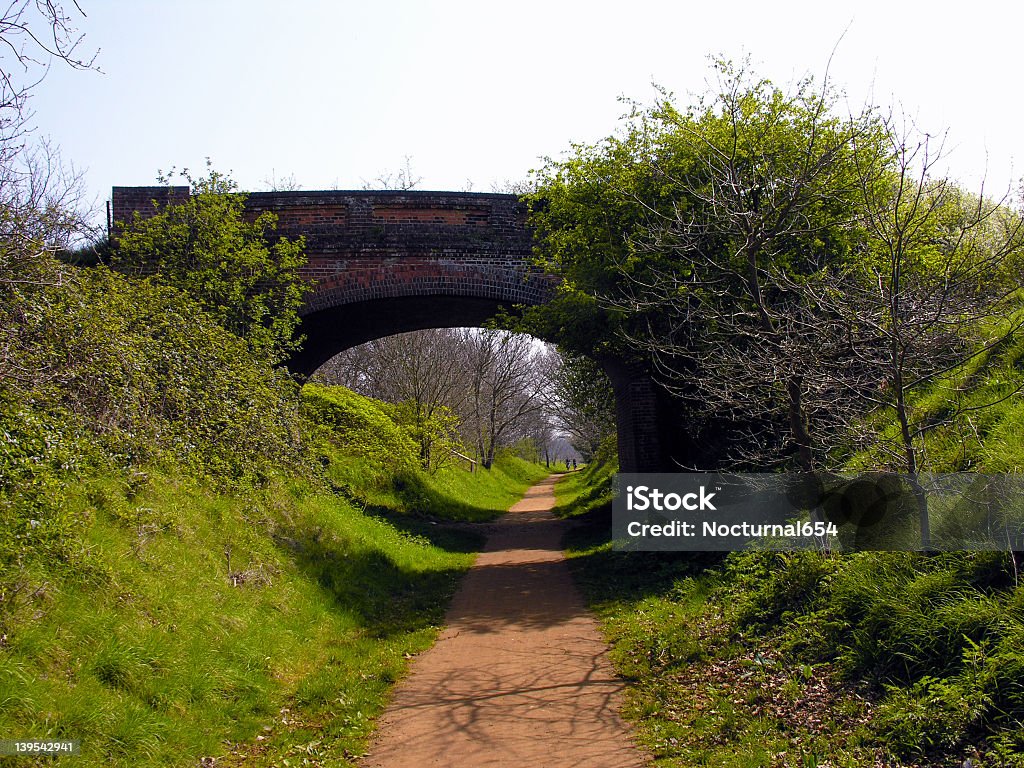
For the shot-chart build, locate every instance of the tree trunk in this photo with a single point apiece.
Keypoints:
(798, 426)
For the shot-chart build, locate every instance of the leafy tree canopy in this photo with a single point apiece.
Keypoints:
(207, 247)
(746, 178)
(781, 265)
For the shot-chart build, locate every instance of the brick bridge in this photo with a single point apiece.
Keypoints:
(388, 262)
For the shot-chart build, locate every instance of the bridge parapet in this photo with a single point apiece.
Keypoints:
(378, 244)
(409, 223)
(351, 224)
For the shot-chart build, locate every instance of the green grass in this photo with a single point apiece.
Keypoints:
(451, 493)
(253, 627)
(974, 418)
(588, 489)
(803, 660)
(806, 660)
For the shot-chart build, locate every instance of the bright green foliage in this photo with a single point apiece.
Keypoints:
(685, 238)
(754, 178)
(195, 618)
(435, 429)
(153, 377)
(119, 373)
(207, 247)
(361, 428)
(847, 660)
(198, 618)
(585, 403)
(371, 455)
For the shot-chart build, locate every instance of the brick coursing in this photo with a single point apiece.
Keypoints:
(383, 244)
(125, 201)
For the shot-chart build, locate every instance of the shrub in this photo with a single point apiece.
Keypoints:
(207, 248)
(153, 377)
(115, 373)
(360, 427)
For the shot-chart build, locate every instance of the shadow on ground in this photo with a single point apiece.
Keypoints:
(387, 598)
(604, 574)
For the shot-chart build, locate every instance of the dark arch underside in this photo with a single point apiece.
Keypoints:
(329, 331)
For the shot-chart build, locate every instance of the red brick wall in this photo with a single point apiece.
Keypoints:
(383, 244)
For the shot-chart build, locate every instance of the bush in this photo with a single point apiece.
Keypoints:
(359, 427)
(114, 373)
(941, 637)
(206, 247)
(770, 586)
(153, 377)
(38, 450)
(435, 429)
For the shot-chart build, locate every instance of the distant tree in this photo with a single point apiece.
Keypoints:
(579, 396)
(506, 391)
(206, 247)
(353, 368)
(422, 372)
(401, 179)
(489, 381)
(543, 433)
(274, 183)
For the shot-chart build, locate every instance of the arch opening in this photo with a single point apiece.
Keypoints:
(642, 427)
(337, 328)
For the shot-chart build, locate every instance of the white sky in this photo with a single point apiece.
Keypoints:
(337, 93)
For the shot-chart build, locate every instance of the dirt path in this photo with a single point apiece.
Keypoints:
(519, 677)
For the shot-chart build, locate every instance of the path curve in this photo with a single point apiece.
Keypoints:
(519, 676)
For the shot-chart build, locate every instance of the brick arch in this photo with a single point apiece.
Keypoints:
(349, 324)
(381, 298)
(388, 278)
(386, 261)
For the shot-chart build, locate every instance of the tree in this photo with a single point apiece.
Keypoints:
(784, 268)
(41, 198)
(423, 373)
(400, 179)
(579, 396)
(937, 288)
(206, 247)
(685, 233)
(489, 381)
(32, 35)
(42, 213)
(506, 390)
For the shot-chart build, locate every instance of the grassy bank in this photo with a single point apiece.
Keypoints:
(255, 624)
(806, 659)
(894, 659)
